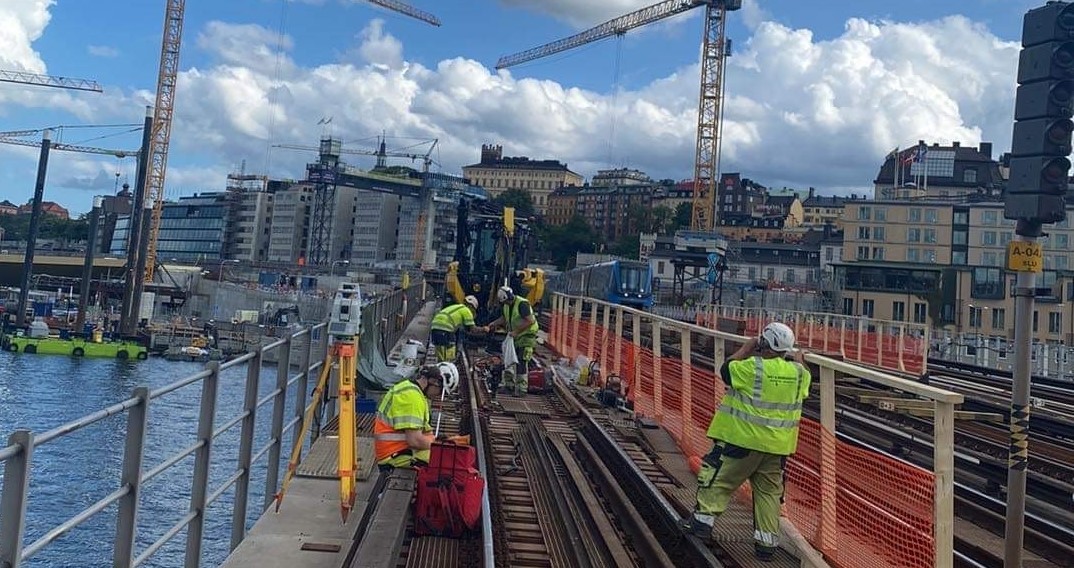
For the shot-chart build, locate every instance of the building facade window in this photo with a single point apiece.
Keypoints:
(898, 311)
(921, 312)
(999, 318)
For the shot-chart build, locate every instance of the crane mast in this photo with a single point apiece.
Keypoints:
(707, 160)
(714, 53)
(163, 110)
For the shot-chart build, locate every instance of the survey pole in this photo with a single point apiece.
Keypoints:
(1024, 257)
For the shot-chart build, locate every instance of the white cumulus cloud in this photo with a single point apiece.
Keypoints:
(799, 111)
(102, 51)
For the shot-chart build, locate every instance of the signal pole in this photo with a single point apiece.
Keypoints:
(1035, 196)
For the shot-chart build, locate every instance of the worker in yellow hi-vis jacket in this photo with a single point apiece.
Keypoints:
(446, 325)
(754, 430)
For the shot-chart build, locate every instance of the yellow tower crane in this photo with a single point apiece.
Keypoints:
(165, 107)
(709, 114)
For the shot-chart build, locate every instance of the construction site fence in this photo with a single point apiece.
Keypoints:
(898, 346)
(258, 454)
(1052, 360)
(858, 507)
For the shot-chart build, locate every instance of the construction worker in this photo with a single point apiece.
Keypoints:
(754, 430)
(521, 324)
(446, 326)
(401, 431)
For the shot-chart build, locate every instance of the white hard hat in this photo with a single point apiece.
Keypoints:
(505, 293)
(778, 337)
(472, 302)
(450, 375)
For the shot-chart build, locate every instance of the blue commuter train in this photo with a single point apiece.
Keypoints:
(625, 282)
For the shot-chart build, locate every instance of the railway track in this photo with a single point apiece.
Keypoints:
(563, 491)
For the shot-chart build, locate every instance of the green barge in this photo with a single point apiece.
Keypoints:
(75, 347)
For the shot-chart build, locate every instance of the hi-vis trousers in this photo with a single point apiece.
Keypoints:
(724, 470)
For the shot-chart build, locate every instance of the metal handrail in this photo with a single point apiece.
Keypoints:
(17, 455)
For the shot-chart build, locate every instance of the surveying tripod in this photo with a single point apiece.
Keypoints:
(344, 331)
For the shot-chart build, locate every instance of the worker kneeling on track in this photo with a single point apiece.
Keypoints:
(402, 429)
(447, 323)
(754, 430)
(521, 324)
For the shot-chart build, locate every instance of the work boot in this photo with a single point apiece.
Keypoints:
(692, 526)
(764, 553)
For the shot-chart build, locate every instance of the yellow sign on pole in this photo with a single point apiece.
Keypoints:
(1024, 257)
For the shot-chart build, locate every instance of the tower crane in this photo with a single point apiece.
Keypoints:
(381, 153)
(165, 106)
(422, 235)
(25, 78)
(714, 53)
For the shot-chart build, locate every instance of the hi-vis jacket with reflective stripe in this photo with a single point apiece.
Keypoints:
(763, 406)
(450, 318)
(511, 317)
(404, 407)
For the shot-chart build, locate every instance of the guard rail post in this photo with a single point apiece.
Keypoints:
(283, 373)
(686, 348)
(658, 373)
(618, 350)
(606, 319)
(131, 477)
(199, 491)
(246, 448)
(13, 498)
(302, 386)
(591, 347)
(943, 466)
(577, 305)
(828, 526)
(635, 371)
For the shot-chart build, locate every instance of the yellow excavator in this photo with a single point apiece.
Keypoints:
(492, 249)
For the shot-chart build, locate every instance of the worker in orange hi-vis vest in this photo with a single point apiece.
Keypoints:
(402, 433)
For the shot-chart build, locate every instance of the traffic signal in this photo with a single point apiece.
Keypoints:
(1044, 105)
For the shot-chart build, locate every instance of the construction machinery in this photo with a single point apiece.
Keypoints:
(715, 48)
(492, 249)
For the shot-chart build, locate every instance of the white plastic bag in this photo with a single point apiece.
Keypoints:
(510, 357)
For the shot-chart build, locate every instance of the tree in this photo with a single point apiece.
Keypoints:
(561, 244)
(683, 212)
(520, 199)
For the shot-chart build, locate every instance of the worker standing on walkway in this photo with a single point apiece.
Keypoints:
(447, 323)
(521, 324)
(754, 430)
(402, 430)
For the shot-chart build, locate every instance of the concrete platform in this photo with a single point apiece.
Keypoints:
(309, 516)
(733, 532)
(310, 512)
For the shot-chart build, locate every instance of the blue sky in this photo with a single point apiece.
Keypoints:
(792, 82)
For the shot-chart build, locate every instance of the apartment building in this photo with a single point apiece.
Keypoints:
(539, 178)
(376, 228)
(820, 210)
(943, 264)
(939, 172)
(290, 225)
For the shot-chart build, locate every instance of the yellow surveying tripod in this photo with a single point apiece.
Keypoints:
(344, 330)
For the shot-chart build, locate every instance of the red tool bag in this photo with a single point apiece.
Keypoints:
(539, 379)
(449, 492)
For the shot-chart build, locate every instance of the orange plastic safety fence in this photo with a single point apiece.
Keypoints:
(860, 508)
